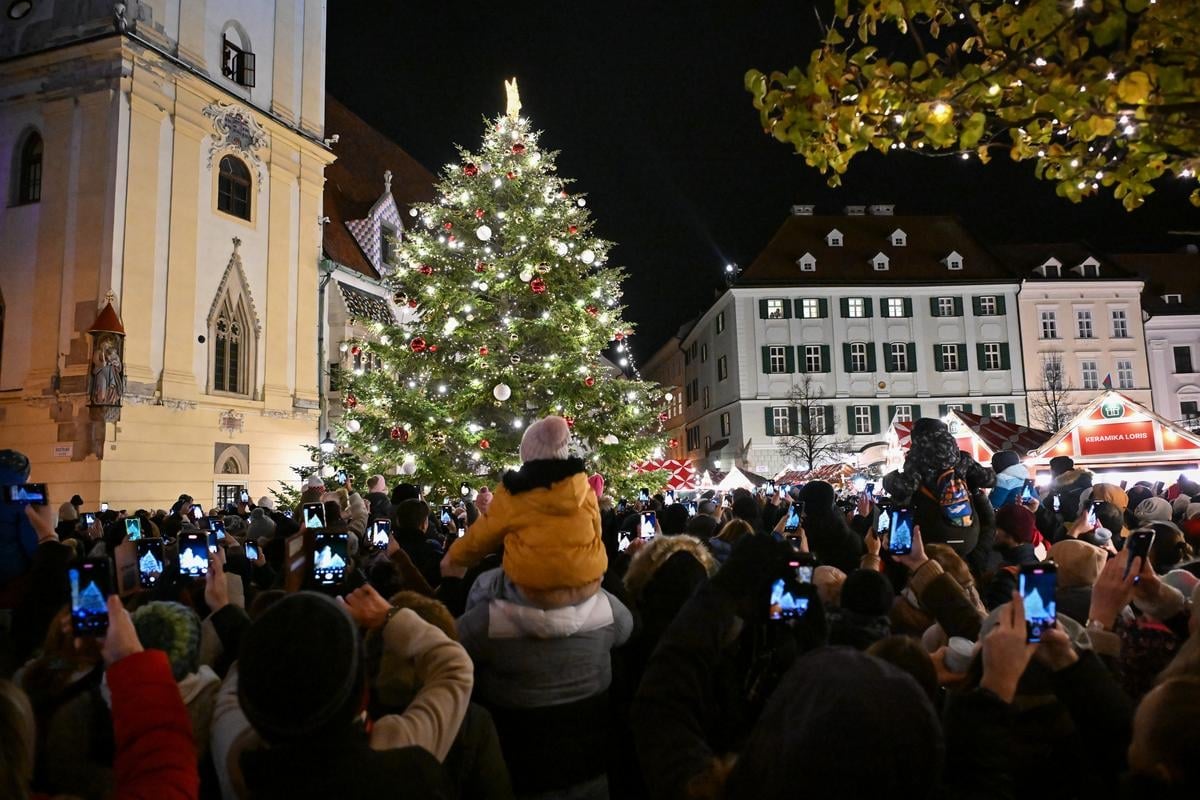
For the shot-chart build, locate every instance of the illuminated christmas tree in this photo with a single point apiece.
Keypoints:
(510, 303)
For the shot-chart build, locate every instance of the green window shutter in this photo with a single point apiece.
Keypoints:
(891, 414)
(805, 424)
(828, 411)
(962, 358)
(958, 307)
(789, 359)
(846, 356)
(850, 420)
(967, 407)
(933, 307)
(1010, 412)
(912, 356)
(942, 409)
(889, 363)
(979, 355)
(874, 419)
(787, 310)
(766, 355)
(798, 308)
(866, 307)
(870, 356)
(916, 413)
(770, 421)
(1005, 358)
(845, 304)
(826, 360)
(822, 308)
(793, 418)
(762, 309)
(937, 359)
(883, 307)
(1000, 304)
(977, 306)
(908, 307)
(801, 361)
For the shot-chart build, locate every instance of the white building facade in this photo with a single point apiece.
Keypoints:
(887, 317)
(666, 368)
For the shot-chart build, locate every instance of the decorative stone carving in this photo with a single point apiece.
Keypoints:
(236, 131)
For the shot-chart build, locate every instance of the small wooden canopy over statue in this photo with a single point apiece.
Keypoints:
(106, 375)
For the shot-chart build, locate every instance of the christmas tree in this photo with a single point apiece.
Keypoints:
(508, 304)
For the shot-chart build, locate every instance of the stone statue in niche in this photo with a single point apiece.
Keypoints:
(106, 376)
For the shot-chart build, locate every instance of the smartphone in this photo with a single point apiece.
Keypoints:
(900, 542)
(1039, 591)
(793, 520)
(33, 494)
(623, 542)
(251, 550)
(1056, 503)
(193, 554)
(340, 477)
(883, 523)
(782, 490)
(329, 558)
(726, 502)
(802, 569)
(217, 526)
(446, 515)
(196, 512)
(870, 491)
(644, 495)
(381, 532)
(770, 487)
(313, 516)
(691, 508)
(103, 507)
(1028, 492)
(648, 527)
(287, 512)
(1158, 488)
(133, 528)
(91, 583)
(669, 498)
(245, 496)
(1138, 546)
(150, 562)
(787, 601)
(89, 519)
(1091, 515)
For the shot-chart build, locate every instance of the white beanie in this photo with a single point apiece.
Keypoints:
(1179, 506)
(266, 502)
(314, 482)
(1153, 509)
(546, 439)
(1193, 511)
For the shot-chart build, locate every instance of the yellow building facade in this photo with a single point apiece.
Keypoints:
(168, 156)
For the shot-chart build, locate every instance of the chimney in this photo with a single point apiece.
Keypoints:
(802, 211)
(855, 211)
(881, 210)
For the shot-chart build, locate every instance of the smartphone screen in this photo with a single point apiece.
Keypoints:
(89, 519)
(644, 495)
(884, 522)
(691, 508)
(133, 528)
(1056, 503)
(381, 532)
(782, 490)
(623, 542)
(313, 516)
(870, 491)
(793, 520)
(1027, 491)
(900, 542)
(104, 506)
(648, 526)
(803, 570)
(787, 602)
(245, 497)
(193, 554)
(329, 558)
(218, 527)
(90, 587)
(251, 550)
(446, 515)
(1038, 587)
(33, 494)
(1138, 546)
(196, 512)
(1091, 515)
(150, 562)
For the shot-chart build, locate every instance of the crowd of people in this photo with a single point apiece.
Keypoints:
(543, 639)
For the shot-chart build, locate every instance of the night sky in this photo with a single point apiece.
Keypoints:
(645, 101)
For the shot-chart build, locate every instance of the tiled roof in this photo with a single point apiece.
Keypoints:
(1022, 259)
(354, 182)
(930, 239)
(999, 434)
(1166, 273)
(366, 306)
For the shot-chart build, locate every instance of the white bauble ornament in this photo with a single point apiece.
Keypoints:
(353, 426)
(562, 248)
(408, 467)
(501, 391)
(587, 256)
(450, 327)
(610, 439)
(327, 471)
(484, 233)
(526, 275)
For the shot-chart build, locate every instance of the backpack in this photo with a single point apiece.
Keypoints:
(951, 493)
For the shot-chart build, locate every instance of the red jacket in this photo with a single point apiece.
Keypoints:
(155, 756)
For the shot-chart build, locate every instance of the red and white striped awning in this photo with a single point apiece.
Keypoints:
(680, 475)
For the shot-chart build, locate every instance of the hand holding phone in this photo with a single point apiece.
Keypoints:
(193, 554)
(900, 542)
(330, 556)
(1138, 546)
(649, 525)
(31, 494)
(381, 532)
(91, 584)
(1039, 592)
(788, 600)
(313, 516)
(793, 520)
(150, 562)
(133, 528)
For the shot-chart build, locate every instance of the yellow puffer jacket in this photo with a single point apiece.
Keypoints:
(551, 536)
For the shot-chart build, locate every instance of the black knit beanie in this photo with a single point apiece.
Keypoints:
(817, 495)
(300, 672)
(1005, 459)
(867, 592)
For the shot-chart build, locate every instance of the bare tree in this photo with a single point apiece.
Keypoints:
(814, 436)
(1051, 406)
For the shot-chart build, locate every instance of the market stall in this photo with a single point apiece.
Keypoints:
(980, 437)
(839, 475)
(677, 475)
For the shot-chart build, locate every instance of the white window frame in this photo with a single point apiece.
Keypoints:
(813, 362)
(1052, 362)
(1089, 370)
(856, 308)
(810, 308)
(950, 358)
(945, 306)
(880, 262)
(991, 356)
(780, 421)
(720, 321)
(1125, 373)
(998, 411)
(988, 305)
(902, 414)
(862, 420)
(722, 368)
(704, 353)
(726, 424)
(895, 306)
(707, 397)
(807, 263)
(1085, 327)
(777, 352)
(1120, 323)
(858, 356)
(775, 308)
(900, 356)
(1049, 324)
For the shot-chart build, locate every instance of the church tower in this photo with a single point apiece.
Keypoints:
(164, 156)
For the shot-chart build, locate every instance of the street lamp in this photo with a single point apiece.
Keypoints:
(716, 463)
(328, 445)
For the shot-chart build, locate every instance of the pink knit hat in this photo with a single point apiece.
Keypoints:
(546, 439)
(597, 484)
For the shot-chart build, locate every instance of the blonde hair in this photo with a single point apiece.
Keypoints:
(17, 736)
(734, 530)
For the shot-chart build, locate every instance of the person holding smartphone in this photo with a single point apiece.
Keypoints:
(1016, 539)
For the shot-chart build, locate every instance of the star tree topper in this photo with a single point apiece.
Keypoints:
(514, 98)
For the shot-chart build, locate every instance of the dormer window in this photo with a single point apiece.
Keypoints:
(1050, 268)
(954, 261)
(834, 238)
(899, 238)
(807, 263)
(1088, 268)
(880, 262)
(388, 237)
(1172, 298)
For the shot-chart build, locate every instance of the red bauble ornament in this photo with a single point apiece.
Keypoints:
(483, 351)
(350, 402)
(518, 148)
(417, 345)
(592, 310)
(510, 174)
(663, 417)
(412, 304)
(563, 194)
(572, 229)
(589, 381)
(618, 336)
(451, 238)
(537, 285)
(433, 348)
(484, 444)
(356, 350)
(570, 421)
(425, 269)
(479, 213)
(673, 443)
(480, 266)
(470, 170)
(447, 225)
(399, 434)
